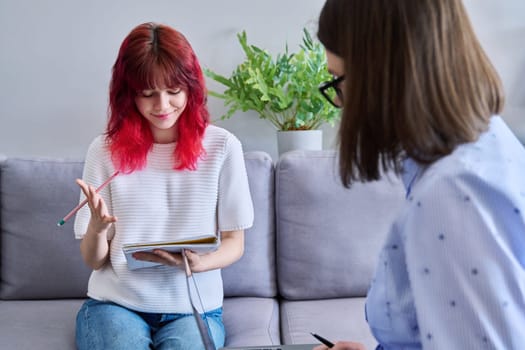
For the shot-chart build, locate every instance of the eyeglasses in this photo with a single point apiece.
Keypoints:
(330, 90)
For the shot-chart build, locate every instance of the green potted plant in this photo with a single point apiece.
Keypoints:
(282, 90)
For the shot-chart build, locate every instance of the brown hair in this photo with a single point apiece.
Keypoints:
(417, 82)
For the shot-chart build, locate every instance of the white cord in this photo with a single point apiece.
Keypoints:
(204, 331)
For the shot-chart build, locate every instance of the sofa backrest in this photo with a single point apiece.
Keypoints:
(255, 273)
(39, 260)
(328, 237)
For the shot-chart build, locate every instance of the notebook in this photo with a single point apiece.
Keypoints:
(199, 244)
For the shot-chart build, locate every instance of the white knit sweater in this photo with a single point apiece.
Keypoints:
(160, 204)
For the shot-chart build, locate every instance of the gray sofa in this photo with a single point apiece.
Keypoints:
(307, 265)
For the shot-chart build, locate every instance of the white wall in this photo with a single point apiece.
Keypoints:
(56, 58)
(500, 25)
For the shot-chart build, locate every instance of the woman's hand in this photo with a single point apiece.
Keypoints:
(100, 218)
(342, 345)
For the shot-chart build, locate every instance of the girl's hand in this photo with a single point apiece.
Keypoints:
(160, 256)
(229, 251)
(194, 260)
(100, 218)
(171, 259)
(342, 345)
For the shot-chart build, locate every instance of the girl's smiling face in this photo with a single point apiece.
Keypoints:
(162, 108)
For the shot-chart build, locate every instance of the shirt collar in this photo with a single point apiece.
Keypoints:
(411, 170)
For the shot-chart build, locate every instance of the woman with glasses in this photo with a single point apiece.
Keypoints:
(420, 97)
(331, 90)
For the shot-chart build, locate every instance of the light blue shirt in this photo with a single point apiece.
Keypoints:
(452, 272)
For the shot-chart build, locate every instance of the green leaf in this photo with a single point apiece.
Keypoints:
(218, 78)
(282, 90)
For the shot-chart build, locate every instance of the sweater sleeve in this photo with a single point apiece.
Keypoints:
(97, 169)
(235, 207)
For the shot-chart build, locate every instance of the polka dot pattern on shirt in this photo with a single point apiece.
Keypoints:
(451, 266)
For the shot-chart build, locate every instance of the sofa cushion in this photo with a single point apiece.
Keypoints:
(38, 259)
(2, 159)
(334, 319)
(328, 237)
(38, 324)
(50, 324)
(251, 321)
(254, 274)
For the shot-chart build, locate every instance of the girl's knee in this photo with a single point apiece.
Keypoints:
(184, 334)
(108, 326)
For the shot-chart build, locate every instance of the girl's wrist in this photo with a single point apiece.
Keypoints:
(93, 230)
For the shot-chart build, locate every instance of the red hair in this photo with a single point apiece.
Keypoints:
(151, 56)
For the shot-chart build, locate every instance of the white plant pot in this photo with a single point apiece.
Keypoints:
(299, 139)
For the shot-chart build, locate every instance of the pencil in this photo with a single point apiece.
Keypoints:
(323, 340)
(81, 204)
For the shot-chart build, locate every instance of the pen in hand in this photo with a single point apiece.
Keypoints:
(84, 202)
(322, 340)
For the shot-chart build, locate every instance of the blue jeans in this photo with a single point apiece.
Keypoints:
(105, 325)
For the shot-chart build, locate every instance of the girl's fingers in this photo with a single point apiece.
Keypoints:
(95, 202)
(108, 219)
(145, 256)
(192, 257)
(171, 259)
(83, 187)
(92, 192)
(159, 256)
(194, 261)
(89, 191)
